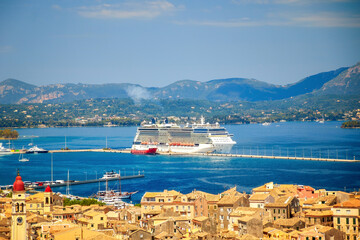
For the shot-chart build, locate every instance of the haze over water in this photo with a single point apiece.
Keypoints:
(185, 173)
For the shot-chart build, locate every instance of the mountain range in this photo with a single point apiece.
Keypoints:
(343, 81)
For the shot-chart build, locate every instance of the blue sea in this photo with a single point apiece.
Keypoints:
(186, 173)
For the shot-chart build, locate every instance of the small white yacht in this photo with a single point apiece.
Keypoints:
(4, 151)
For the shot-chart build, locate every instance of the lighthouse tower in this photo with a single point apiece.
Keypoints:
(18, 216)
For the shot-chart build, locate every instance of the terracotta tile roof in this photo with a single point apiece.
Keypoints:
(161, 194)
(352, 203)
(239, 211)
(229, 199)
(318, 213)
(281, 202)
(245, 218)
(258, 197)
(287, 222)
(229, 191)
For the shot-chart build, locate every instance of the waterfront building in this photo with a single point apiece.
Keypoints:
(319, 214)
(18, 215)
(283, 207)
(230, 200)
(153, 202)
(291, 223)
(274, 233)
(244, 213)
(308, 204)
(347, 218)
(93, 220)
(258, 200)
(319, 232)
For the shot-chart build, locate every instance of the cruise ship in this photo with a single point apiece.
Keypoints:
(192, 138)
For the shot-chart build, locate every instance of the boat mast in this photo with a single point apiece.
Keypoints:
(106, 143)
(106, 189)
(52, 169)
(67, 185)
(119, 182)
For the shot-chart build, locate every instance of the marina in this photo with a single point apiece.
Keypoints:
(70, 183)
(283, 152)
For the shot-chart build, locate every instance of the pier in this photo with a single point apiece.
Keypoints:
(279, 157)
(328, 159)
(66, 183)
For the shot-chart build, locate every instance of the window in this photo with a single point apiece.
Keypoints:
(177, 207)
(102, 218)
(354, 221)
(283, 210)
(347, 220)
(338, 220)
(274, 211)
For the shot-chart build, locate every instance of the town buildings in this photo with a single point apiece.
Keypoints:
(272, 211)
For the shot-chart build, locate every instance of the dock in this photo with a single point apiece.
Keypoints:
(70, 183)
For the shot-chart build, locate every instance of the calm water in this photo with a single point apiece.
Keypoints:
(211, 174)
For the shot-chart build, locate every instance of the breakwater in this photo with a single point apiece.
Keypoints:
(215, 155)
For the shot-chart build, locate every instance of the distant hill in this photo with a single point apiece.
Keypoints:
(346, 83)
(12, 90)
(340, 81)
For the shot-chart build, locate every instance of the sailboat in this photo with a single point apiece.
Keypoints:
(111, 196)
(22, 159)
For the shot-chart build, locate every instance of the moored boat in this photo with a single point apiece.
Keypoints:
(143, 150)
(4, 151)
(111, 174)
(36, 149)
(192, 138)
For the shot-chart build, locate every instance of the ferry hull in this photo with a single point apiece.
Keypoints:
(149, 151)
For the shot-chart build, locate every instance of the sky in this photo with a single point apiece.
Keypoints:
(157, 42)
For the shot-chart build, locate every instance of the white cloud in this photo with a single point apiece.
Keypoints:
(288, 1)
(57, 7)
(324, 19)
(6, 49)
(327, 19)
(144, 10)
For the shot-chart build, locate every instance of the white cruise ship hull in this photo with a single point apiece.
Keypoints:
(192, 138)
(222, 144)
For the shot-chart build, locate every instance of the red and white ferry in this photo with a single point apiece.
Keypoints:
(144, 149)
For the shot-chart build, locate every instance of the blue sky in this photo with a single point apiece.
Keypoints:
(157, 42)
